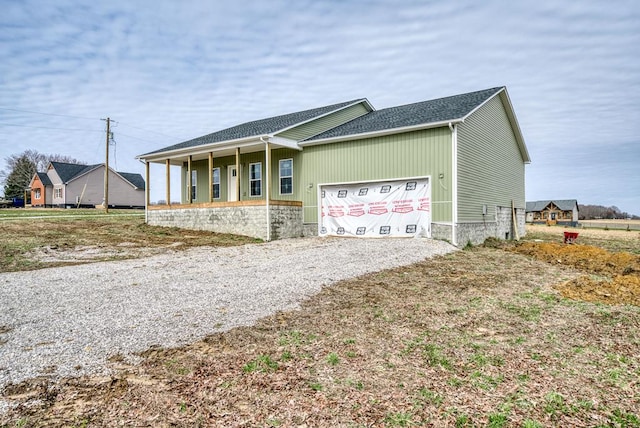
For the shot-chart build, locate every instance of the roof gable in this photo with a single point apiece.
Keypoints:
(562, 204)
(440, 110)
(68, 171)
(260, 127)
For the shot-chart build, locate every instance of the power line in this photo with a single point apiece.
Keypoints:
(149, 130)
(47, 114)
(137, 138)
(80, 117)
(48, 127)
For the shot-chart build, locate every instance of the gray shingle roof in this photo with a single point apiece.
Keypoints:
(133, 178)
(563, 204)
(69, 171)
(426, 112)
(258, 127)
(44, 178)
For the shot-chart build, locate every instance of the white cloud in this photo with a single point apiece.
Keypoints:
(185, 69)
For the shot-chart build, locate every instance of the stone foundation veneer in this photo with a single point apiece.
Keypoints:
(247, 218)
(477, 232)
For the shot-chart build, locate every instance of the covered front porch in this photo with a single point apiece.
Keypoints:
(227, 188)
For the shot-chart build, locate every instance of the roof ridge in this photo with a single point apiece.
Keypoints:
(433, 100)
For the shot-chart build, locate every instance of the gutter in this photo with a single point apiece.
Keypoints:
(380, 133)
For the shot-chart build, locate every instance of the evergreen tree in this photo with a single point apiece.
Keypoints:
(19, 177)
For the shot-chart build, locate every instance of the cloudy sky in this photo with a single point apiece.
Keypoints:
(167, 71)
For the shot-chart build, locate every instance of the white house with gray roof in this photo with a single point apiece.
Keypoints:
(450, 168)
(74, 185)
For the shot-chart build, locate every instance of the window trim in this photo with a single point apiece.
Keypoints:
(251, 180)
(57, 192)
(194, 185)
(280, 176)
(213, 183)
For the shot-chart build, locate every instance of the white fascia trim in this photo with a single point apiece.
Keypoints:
(514, 122)
(326, 114)
(221, 145)
(285, 142)
(34, 179)
(381, 133)
(479, 106)
(504, 96)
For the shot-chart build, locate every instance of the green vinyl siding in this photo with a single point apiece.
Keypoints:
(490, 164)
(410, 154)
(201, 167)
(325, 123)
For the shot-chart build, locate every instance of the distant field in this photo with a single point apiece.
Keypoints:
(611, 224)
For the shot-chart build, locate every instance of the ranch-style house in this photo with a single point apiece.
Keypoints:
(451, 168)
(557, 211)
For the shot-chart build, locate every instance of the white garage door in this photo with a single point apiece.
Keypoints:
(376, 209)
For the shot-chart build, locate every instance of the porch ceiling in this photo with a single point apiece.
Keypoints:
(222, 149)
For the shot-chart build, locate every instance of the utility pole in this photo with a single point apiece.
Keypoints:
(106, 169)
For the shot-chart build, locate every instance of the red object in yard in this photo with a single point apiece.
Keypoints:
(570, 237)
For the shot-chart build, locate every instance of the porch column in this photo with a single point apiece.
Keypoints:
(168, 181)
(189, 180)
(238, 176)
(146, 184)
(267, 188)
(210, 176)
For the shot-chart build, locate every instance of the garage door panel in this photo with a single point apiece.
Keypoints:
(376, 209)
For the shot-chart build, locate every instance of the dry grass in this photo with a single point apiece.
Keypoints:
(34, 243)
(475, 338)
(613, 240)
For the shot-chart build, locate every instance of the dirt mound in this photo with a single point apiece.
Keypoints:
(618, 274)
(619, 290)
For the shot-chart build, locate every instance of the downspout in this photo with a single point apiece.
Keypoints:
(267, 161)
(454, 183)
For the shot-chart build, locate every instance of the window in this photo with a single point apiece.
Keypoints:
(57, 193)
(286, 176)
(194, 182)
(255, 179)
(216, 183)
(37, 194)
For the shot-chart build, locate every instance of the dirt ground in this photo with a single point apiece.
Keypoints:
(47, 242)
(483, 337)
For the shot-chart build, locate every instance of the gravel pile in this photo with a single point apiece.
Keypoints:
(67, 321)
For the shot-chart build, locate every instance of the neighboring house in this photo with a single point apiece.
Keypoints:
(41, 190)
(559, 211)
(451, 168)
(73, 185)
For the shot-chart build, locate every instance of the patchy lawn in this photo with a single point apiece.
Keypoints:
(35, 239)
(475, 338)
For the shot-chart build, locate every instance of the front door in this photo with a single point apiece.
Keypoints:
(231, 180)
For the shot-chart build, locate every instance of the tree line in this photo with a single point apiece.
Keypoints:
(591, 212)
(20, 169)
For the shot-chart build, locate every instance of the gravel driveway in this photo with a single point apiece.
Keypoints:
(67, 321)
